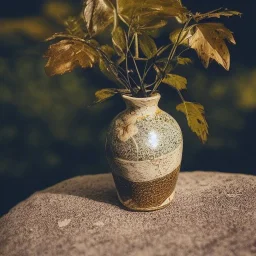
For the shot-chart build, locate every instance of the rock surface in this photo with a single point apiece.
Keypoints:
(212, 214)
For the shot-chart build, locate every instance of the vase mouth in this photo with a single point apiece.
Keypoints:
(155, 96)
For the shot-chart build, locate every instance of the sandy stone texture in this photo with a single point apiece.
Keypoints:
(212, 214)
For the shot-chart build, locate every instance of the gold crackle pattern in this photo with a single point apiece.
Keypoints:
(147, 194)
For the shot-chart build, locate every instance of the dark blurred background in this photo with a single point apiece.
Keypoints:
(48, 134)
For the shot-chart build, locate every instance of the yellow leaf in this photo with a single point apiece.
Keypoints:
(147, 45)
(108, 50)
(183, 37)
(184, 61)
(176, 81)
(65, 55)
(75, 26)
(209, 43)
(149, 13)
(107, 93)
(119, 40)
(195, 116)
(98, 15)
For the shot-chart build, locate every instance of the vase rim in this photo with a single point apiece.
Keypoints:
(129, 97)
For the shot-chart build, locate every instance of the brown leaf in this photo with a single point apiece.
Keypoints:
(209, 43)
(195, 116)
(98, 15)
(65, 55)
(216, 14)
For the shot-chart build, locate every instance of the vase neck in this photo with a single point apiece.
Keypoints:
(149, 104)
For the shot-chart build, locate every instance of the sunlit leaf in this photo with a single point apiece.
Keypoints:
(176, 81)
(147, 45)
(196, 120)
(98, 15)
(149, 13)
(209, 43)
(119, 40)
(65, 55)
(184, 61)
(107, 93)
(216, 14)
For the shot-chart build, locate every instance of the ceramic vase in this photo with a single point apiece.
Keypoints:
(144, 150)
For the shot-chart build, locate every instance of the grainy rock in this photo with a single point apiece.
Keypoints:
(212, 214)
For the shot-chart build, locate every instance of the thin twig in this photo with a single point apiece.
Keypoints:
(173, 50)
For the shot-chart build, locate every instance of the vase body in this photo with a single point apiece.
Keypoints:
(144, 150)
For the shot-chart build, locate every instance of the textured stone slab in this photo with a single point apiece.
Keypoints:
(212, 214)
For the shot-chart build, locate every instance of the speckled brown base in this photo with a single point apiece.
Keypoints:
(146, 195)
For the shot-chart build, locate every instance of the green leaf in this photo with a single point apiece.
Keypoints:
(196, 120)
(65, 55)
(184, 61)
(176, 81)
(119, 40)
(147, 45)
(98, 15)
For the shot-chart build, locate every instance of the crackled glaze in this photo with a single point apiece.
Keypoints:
(144, 149)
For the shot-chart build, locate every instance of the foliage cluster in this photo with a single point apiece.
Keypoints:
(133, 56)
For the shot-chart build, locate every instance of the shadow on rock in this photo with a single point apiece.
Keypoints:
(90, 186)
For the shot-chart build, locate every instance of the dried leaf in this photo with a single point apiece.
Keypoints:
(65, 55)
(98, 15)
(215, 14)
(184, 61)
(176, 81)
(119, 40)
(209, 43)
(196, 120)
(147, 45)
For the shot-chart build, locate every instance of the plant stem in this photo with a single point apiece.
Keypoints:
(172, 53)
(136, 46)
